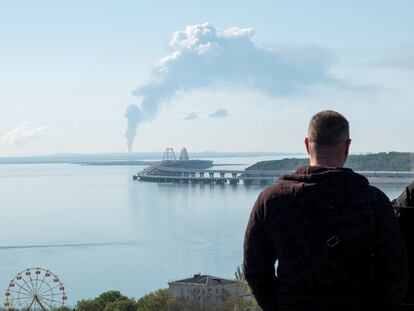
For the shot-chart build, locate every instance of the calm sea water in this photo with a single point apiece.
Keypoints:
(99, 230)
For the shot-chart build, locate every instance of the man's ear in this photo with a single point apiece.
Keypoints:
(348, 144)
(307, 144)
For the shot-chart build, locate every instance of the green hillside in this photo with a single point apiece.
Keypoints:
(384, 161)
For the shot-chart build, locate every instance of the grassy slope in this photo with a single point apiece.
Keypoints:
(384, 161)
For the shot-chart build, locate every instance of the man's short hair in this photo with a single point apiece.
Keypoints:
(328, 128)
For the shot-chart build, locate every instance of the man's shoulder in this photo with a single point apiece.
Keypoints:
(375, 195)
(280, 189)
(376, 201)
(282, 192)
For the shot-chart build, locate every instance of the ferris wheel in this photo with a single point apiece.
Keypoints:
(35, 289)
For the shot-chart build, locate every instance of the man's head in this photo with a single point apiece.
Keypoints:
(328, 139)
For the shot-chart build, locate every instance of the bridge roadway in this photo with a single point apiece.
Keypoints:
(160, 173)
(190, 170)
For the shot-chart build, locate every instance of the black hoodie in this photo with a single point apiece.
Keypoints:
(336, 242)
(404, 207)
(406, 199)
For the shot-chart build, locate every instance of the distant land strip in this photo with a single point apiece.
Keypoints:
(116, 163)
(65, 245)
(383, 161)
(121, 157)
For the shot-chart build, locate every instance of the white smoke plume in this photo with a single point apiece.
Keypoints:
(203, 56)
(133, 114)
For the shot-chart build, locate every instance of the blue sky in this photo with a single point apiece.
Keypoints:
(68, 69)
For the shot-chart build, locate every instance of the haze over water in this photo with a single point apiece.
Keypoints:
(99, 230)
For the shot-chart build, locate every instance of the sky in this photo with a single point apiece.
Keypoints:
(209, 75)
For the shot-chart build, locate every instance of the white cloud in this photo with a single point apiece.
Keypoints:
(192, 116)
(220, 113)
(23, 134)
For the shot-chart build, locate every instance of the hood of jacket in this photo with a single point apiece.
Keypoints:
(326, 187)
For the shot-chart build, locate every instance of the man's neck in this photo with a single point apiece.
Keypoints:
(325, 162)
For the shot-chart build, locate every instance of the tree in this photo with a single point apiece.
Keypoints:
(174, 304)
(122, 305)
(108, 297)
(88, 305)
(159, 300)
(102, 301)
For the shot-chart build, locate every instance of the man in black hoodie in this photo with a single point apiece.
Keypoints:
(404, 208)
(334, 238)
(406, 198)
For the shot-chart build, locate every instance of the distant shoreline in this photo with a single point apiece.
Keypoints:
(375, 162)
(127, 158)
(384, 161)
(116, 163)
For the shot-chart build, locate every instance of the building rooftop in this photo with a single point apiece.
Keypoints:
(201, 279)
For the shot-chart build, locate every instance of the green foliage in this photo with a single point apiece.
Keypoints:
(279, 165)
(155, 301)
(174, 304)
(88, 305)
(238, 304)
(107, 299)
(122, 305)
(159, 300)
(383, 161)
(391, 161)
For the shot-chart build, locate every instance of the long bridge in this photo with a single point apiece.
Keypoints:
(185, 170)
(161, 172)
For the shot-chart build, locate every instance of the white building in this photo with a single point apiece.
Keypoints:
(204, 289)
